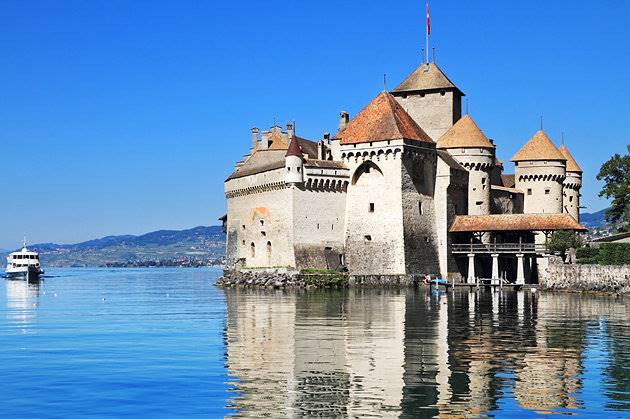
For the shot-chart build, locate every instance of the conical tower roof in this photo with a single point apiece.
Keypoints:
(294, 148)
(382, 119)
(539, 147)
(426, 77)
(572, 165)
(464, 134)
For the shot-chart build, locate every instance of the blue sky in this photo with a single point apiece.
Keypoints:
(124, 117)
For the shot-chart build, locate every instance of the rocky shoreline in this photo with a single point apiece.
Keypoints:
(556, 277)
(281, 279)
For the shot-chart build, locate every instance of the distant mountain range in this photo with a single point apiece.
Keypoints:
(194, 247)
(594, 220)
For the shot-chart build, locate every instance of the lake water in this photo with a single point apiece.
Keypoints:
(167, 343)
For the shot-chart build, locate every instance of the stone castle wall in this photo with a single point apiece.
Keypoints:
(479, 162)
(419, 216)
(435, 112)
(505, 202)
(571, 198)
(319, 217)
(260, 227)
(559, 276)
(542, 186)
(451, 199)
(374, 218)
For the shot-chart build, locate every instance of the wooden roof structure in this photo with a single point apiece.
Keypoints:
(572, 165)
(464, 134)
(539, 147)
(514, 222)
(425, 78)
(381, 120)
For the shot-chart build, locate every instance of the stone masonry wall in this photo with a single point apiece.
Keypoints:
(374, 235)
(318, 223)
(264, 219)
(419, 167)
(560, 276)
(433, 111)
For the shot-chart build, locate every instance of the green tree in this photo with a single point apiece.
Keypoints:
(561, 241)
(616, 175)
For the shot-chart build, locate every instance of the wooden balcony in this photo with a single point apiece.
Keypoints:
(499, 248)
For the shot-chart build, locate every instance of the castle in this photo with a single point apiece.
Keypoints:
(408, 186)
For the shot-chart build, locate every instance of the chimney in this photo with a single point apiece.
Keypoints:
(327, 137)
(290, 130)
(264, 142)
(254, 137)
(344, 117)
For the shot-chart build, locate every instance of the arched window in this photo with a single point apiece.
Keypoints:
(252, 250)
(368, 167)
(269, 248)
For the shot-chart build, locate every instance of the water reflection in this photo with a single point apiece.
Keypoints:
(22, 300)
(424, 353)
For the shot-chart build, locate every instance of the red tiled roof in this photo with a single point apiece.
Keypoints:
(464, 134)
(539, 147)
(572, 165)
(294, 148)
(514, 222)
(382, 119)
(426, 77)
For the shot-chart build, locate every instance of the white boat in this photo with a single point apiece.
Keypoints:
(23, 264)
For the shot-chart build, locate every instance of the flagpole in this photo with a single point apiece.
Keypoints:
(427, 32)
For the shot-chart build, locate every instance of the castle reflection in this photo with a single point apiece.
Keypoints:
(415, 353)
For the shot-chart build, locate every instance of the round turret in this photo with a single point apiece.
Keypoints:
(294, 163)
(540, 173)
(572, 185)
(472, 149)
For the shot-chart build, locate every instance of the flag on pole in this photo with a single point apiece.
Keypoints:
(428, 20)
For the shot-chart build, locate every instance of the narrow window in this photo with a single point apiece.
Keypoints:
(547, 191)
(420, 209)
(529, 192)
(243, 242)
(262, 222)
(479, 203)
(426, 240)
(570, 199)
(269, 248)
(318, 226)
(288, 169)
(243, 226)
(264, 233)
(298, 170)
(368, 238)
(252, 249)
(371, 207)
(483, 181)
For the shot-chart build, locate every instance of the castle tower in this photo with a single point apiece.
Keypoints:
(540, 173)
(472, 149)
(294, 163)
(431, 99)
(390, 210)
(572, 185)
